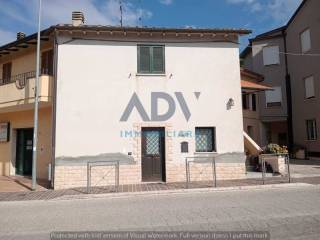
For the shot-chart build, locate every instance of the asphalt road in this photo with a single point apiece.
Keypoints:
(292, 213)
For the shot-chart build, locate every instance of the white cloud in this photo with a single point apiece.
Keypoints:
(281, 10)
(106, 12)
(166, 2)
(254, 5)
(6, 36)
(278, 10)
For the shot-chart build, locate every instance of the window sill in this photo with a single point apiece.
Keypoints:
(273, 64)
(309, 99)
(151, 74)
(274, 107)
(205, 153)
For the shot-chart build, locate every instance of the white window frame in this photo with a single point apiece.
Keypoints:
(305, 40)
(309, 93)
(271, 55)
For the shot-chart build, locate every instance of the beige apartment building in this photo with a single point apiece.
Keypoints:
(288, 58)
(17, 85)
(251, 86)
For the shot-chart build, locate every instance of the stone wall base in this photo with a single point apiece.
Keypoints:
(71, 176)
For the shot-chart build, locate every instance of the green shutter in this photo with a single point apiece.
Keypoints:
(144, 58)
(151, 59)
(158, 59)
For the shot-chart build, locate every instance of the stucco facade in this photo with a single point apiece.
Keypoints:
(24, 120)
(302, 67)
(17, 109)
(90, 77)
(105, 74)
(290, 73)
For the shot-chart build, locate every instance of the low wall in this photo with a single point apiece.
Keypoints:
(73, 173)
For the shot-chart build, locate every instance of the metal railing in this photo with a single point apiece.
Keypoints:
(114, 163)
(22, 78)
(263, 165)
(203, 160)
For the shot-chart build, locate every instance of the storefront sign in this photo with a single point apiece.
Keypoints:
(4, 132)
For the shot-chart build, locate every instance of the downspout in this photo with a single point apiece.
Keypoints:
(54, 100)
(288, 94)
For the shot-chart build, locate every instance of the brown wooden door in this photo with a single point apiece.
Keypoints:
(153, 155)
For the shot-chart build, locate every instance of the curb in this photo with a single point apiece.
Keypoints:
(182, 191)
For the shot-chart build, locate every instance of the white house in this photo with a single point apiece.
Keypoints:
(138, 94)
(146, 97)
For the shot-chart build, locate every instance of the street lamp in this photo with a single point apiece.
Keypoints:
(36, 106)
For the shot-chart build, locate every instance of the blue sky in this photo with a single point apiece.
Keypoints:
(256, 15)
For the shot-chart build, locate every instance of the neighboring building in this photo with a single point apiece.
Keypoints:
(290, 113)
(148, 97)
(251, 85)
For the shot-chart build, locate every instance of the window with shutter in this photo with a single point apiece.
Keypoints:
(151, 59)
(271, 55)
(47, 62)
(144, 58)
(254, 102)
(6, 72)
(311, 129)
(274, 97)
(305, 41)
(158, 59)
(244, 101)
(309, 87)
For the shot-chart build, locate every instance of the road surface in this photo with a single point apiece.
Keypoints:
(288, 213)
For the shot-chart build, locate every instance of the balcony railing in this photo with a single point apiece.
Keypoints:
(23, 77)
(19, 89)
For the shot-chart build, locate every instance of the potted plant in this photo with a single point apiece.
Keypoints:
(299, 152)
(275, 155)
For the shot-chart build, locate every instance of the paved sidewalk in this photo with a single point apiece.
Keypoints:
(150, 187)
(20, 184)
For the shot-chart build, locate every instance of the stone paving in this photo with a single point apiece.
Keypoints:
(146, 187)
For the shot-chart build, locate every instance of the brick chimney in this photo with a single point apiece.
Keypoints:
(77, 18)
(20, 35)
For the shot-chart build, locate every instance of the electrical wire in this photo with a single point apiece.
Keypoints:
(286, 53)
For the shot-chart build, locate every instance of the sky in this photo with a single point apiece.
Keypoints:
(257, 15)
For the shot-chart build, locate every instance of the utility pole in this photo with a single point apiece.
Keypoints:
(36, 105)
(121, 23)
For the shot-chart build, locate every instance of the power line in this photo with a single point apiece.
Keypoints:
(286, 53)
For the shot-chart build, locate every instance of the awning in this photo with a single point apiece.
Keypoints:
(253, 86)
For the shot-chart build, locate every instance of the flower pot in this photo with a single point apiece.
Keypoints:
(300, 154)
(277, 162)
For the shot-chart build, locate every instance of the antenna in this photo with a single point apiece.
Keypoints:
(140, 17)
(120, 3)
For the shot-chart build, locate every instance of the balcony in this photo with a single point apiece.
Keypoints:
(17, 93)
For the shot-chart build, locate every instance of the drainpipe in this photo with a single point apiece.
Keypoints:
(289, 95)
